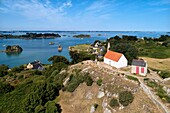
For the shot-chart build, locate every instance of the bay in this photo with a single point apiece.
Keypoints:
(39, 49)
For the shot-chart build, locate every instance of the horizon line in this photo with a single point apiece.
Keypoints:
(83, 31)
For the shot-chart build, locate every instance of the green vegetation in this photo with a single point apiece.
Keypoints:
(14, 48)
(159, 90)
(124, 45)
(5, 87)
(164, 74)
(132, 47)
(132, 78)
(96, 106)
(57, 59)
(76, 79)
(80, 56)
(31, 91)
(125, 98)
(31, 35)
(99, 82)
(114, 102)
(82, 36)
(3, 70)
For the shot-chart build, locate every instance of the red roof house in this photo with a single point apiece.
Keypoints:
(115, 59)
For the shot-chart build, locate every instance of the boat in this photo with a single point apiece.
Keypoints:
(60, 48)
(51, 43)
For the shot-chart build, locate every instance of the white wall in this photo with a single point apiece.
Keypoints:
(121, 63)
(133, 70)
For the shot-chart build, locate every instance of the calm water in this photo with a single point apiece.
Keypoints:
(39, 49)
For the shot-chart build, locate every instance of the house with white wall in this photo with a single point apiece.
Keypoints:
(139, 67)
(115, 59)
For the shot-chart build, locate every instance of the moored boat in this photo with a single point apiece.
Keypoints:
(60, 48)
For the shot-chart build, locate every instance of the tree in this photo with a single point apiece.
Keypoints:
(125, 98)
(80, 56)
(129, 38)
(3, 70)
(43, 92)
(40, 109)
(57, 59)
(5, 88)
(127, 49)
(52, 107)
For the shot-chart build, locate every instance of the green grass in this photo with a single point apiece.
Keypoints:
(153, 50)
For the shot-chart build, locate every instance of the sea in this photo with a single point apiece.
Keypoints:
(39, 49)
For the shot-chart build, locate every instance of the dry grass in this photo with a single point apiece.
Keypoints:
(81, 47)
(160, 64)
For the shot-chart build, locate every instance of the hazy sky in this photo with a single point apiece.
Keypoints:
(114, 15)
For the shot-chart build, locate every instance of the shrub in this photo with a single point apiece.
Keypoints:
(37, 72)
(3, 70)
(152, 84)
(16, 69)
(88, 80)
(40, 109)
(146, 79)
(95, 106)
(125, 98)
(72, 86)
(52, 107)
(99, 82)
(165, 74)
(57, 59)
(5, 88)
(132, 78)
(114, 103)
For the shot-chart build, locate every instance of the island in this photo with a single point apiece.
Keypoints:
(31, 36)
(82, 36)
(14, 48)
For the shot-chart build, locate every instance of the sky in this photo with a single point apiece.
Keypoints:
(85, 15)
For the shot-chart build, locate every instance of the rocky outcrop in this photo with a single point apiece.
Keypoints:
(14, 48)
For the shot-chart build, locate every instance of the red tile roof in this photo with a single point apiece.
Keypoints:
(115, 56)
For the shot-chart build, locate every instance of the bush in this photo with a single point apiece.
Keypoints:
(5, 88)
(88, 80)
(95, 106)
(114, 103)
(37, 72)
(99, 82)
(52, 107)
(146, 79)
(165, 74)
(57, 59)
(132, 78)
(16, 69)
(125, 98)
(152, 84)
(75, 81)
(40, 109)
(72, 86)
(3, 70)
